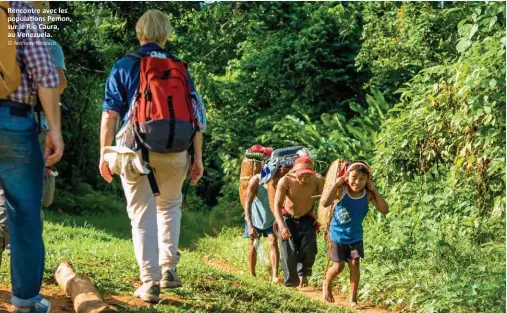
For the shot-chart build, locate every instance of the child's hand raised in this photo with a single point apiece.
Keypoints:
(341, 180)
(370, 186)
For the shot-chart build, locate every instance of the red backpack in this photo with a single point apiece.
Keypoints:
(164, 116)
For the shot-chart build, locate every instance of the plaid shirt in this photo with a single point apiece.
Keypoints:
(34, 59)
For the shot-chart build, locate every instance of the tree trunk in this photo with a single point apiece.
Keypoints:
(85, 297)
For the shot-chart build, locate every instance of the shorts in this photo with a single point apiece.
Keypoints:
(343, 252)
(261, 232)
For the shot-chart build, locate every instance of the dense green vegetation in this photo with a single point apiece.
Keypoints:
(417, 89)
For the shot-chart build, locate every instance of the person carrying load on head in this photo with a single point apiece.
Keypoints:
(297, 227)
(26, 71)
(163, 117)
(259, 219)
(350, 196)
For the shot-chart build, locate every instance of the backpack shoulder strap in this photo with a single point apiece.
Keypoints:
(137, 54)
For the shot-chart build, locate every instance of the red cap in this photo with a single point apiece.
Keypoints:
(260, 149)
(268, 151)
(304, 165)
(256, 148)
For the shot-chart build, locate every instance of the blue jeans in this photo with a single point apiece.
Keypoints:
(21, 175)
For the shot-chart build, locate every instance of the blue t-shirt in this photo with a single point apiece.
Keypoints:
(262, 217)
(347, 222)
(123, 81)
(56, 52)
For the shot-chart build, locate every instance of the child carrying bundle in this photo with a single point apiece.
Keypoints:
(347, 199)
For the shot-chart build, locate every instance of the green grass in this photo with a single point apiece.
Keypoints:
(411, 261)
(100, 247)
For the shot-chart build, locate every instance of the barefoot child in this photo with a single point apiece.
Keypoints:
(294, 201)
(259, 222)
(353, 191)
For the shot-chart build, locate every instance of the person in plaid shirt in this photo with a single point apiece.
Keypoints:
(22, 163)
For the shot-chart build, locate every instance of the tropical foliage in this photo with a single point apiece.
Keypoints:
(415, 88)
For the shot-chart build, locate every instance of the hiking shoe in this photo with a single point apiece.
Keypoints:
(148, 292)
(170, 279)
(43, 306)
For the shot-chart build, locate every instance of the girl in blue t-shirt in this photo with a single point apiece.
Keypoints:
(350, 196)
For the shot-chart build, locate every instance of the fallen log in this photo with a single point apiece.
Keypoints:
(85, 297)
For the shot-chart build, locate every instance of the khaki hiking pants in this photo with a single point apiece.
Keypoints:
(156, 221)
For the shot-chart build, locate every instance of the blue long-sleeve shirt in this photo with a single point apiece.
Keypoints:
(123, 82)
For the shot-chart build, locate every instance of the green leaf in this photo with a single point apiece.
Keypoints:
(487, 110)
(492, 84)
(478, 11)
(487, 119)
(473, 30)
(428, 198)
(495, 167)
(452, 10)
(463, 45)
(492, 22)
(464, 30)
(357, 108)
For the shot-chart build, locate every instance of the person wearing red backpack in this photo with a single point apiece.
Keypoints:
(26, 70)
(151, 91)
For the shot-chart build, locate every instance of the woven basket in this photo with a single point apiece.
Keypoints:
(324, 213)
(249, 168)
(272, 186)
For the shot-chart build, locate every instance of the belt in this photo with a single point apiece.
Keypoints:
(16, 108)
(295, 217)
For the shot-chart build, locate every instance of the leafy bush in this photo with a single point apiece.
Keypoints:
(85, 200)
(334, 136)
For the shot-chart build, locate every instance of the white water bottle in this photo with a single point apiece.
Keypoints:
(261, 252)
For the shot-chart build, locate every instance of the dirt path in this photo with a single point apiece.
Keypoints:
(60, 303)
(341, 300)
